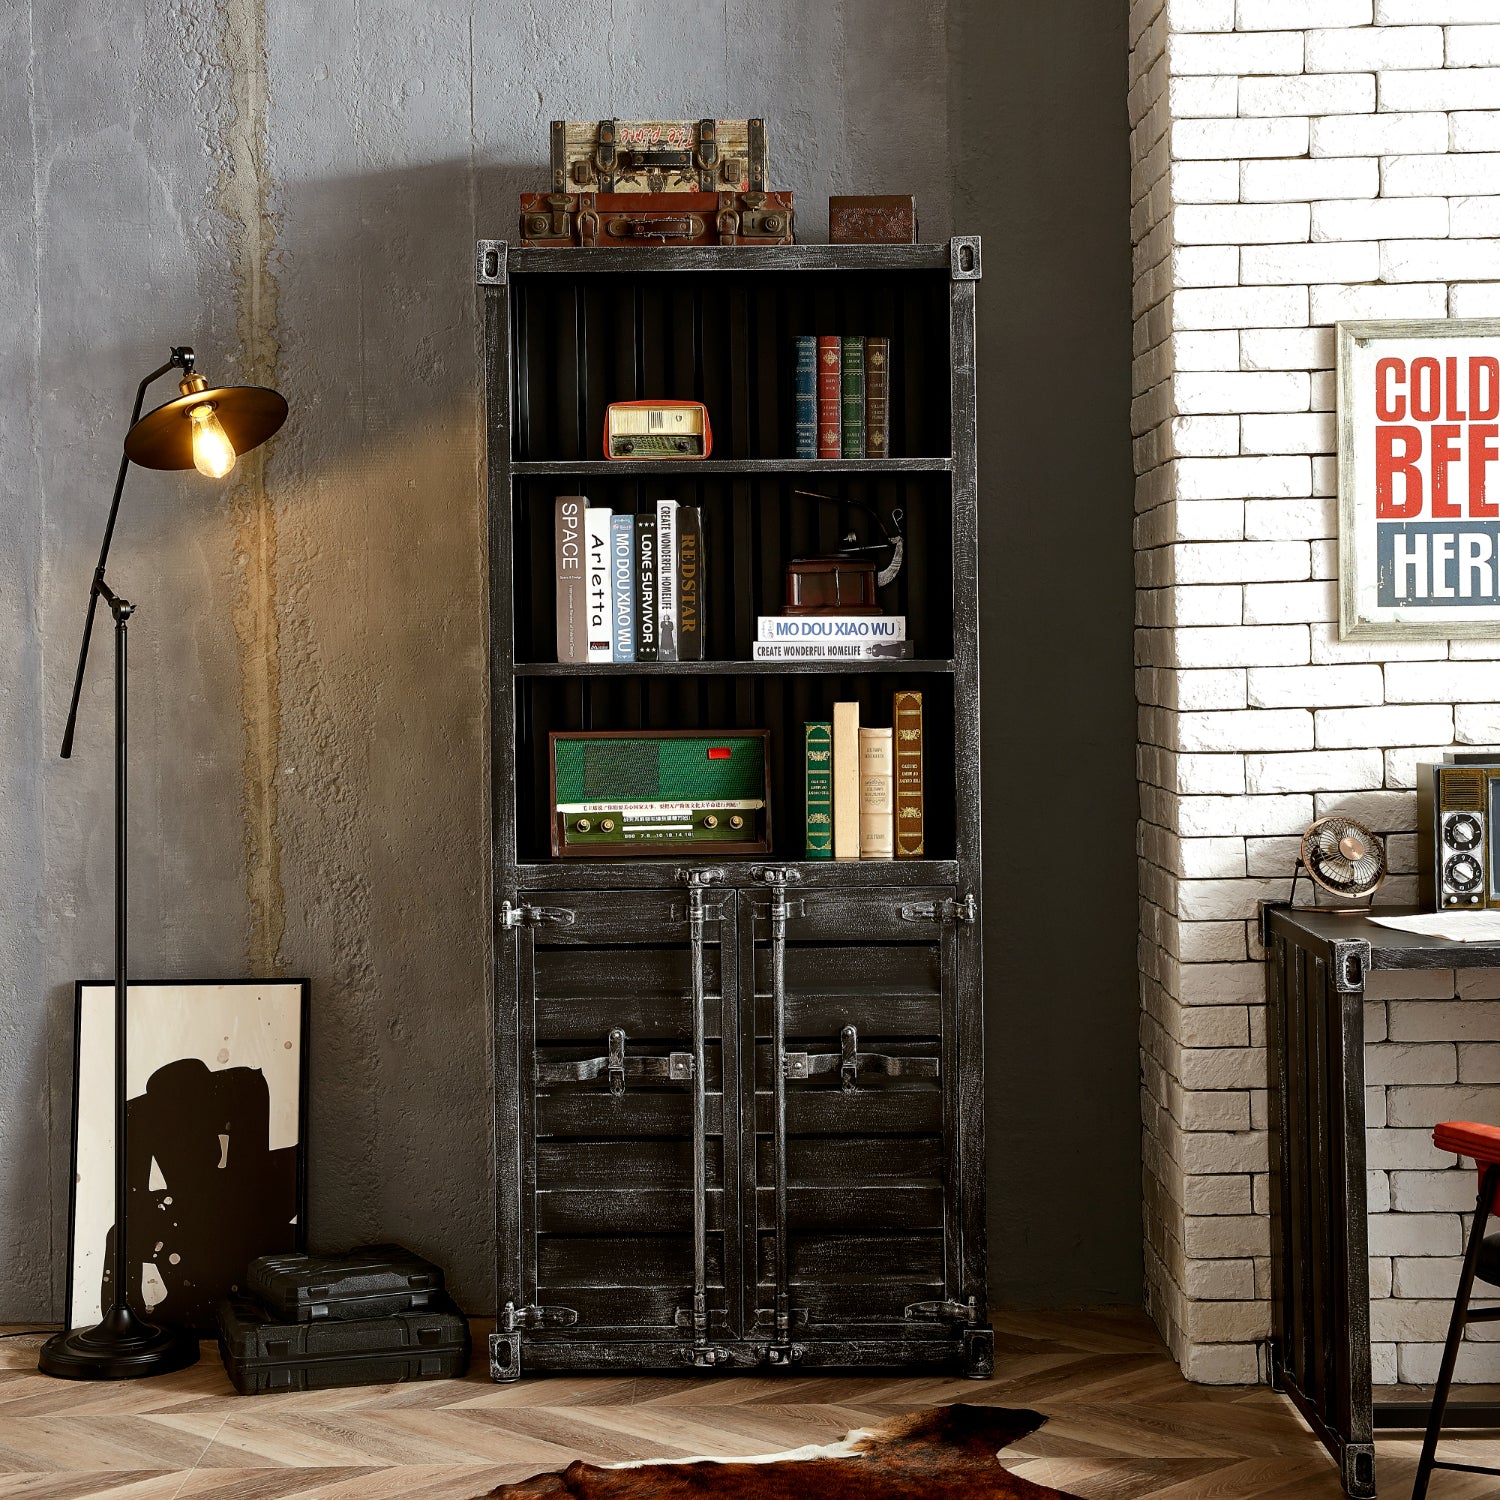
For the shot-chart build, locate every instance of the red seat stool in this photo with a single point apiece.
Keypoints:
(1481, 1263)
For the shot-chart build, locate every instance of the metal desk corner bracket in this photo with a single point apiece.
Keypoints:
(490, 269)
(963, 257)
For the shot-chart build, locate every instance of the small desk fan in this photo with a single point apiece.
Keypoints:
(1342, 857)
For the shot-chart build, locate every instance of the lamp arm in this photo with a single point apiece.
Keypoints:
(182, 359)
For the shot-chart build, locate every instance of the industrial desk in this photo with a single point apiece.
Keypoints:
(1316, 962)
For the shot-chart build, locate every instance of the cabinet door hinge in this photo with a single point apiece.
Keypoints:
(522, 914)
(966, 910)
(949, 1311)
(513, 1318)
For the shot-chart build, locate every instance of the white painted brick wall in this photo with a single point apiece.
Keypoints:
(1294, 162)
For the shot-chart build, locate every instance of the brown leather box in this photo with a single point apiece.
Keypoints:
(651, 220)
(880, 219)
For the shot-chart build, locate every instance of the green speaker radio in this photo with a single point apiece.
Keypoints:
(660, 792)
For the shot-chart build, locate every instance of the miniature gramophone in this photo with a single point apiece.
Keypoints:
(845, 582)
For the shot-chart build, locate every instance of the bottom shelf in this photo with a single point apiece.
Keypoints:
(781, 704)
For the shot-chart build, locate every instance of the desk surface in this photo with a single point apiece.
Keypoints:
(1389, 947)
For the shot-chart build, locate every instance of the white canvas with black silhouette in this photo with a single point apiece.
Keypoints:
(216, 1081)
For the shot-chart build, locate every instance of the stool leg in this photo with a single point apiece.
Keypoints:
(1489, 1180)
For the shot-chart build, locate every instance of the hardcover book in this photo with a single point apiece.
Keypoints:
(645, 588)
(877, 398)
(666, 580)
(832, 651)
(819, 790)
(572, 621)
(805, 399)
(596, 585)
(830, 417)
(689, 583)
(831, 627)
(911, 812)
(852, 385)
(877, 795)
(846, 781)
(622, 585)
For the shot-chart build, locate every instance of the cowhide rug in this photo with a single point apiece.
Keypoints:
(945, 1453)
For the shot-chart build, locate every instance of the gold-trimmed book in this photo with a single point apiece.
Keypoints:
(911, 810)
(819, 789)
(877, 795)
(846, 781)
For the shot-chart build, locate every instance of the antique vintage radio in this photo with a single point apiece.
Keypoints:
(657, 430)
(1458, 831)
(658, 156)
(660, 792)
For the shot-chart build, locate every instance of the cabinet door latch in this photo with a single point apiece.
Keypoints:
(944, 1312)
(522, 914)
(513, 1318)
(966, 910)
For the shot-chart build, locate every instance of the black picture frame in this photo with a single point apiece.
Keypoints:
(160, 1314)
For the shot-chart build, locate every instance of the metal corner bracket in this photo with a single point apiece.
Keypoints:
(963, 257)
(1349, 963)
(490, 262)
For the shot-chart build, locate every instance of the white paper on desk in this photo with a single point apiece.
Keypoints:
(1456, 926)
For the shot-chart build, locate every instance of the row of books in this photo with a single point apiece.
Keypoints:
(864, 785)
(629, 587)
(831, 638)
(842, 392)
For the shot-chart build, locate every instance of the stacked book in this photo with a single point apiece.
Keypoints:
(842, 386)
(832, 638)
(629, 587)
(864, 789)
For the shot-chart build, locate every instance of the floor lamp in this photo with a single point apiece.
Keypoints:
(205, 429)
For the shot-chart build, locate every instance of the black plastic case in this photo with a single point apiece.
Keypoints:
(263, 1355)
(371, 1282)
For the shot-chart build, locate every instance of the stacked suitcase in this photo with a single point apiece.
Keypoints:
(657, 182)
(369, 1317)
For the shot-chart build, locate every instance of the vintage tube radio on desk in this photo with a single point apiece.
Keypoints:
(660, 792)
(1458, 832)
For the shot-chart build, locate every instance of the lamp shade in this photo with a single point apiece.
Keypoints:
(163, 439)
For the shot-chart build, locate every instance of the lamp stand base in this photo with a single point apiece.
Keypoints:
(120, 1347)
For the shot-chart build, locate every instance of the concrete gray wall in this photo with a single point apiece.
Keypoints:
(295, 190)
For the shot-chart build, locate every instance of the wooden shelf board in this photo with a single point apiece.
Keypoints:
(648, 873)
(726, 467)
(572, 261)
(845, 668)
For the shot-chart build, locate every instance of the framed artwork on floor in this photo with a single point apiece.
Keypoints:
(1419, 479)
(217, 1138)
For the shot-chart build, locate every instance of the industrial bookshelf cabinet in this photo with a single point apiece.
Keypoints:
(738, 1103)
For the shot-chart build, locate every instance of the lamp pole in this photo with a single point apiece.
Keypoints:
(123, 1344)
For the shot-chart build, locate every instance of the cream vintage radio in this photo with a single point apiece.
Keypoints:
(1458, 832)
(655, 430)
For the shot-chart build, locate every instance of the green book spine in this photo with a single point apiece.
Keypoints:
(854, 397)
(820, 790)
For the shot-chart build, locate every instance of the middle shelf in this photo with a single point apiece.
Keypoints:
(841, 666)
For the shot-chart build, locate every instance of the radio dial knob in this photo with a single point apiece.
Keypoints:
(710, 821)
(736, 821)
(1462, 873)
(607, 826)
(1461, 831)
(583, 825)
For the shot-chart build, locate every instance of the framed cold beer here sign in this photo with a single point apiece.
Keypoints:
(1419, 479)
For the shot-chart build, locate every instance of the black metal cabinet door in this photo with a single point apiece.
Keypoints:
(849, 1057)
(628, 1156)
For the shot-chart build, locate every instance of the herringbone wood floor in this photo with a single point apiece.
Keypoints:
(1124, 1426)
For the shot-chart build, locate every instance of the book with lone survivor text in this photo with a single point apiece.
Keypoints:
(877, 398)
(645, 587)
(852, 385)
(911, 813)
(819, 797)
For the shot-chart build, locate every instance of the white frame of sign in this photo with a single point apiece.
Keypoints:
(1361, 615)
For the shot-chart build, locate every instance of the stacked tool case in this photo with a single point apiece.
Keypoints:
(370, 1317)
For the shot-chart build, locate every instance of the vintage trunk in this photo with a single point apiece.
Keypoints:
(551, 220)
(738, 1102)
(659, 156)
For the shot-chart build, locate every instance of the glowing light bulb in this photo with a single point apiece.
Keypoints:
(213, 453)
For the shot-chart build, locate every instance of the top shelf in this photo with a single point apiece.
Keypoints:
(623, 468)
(732, 258)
